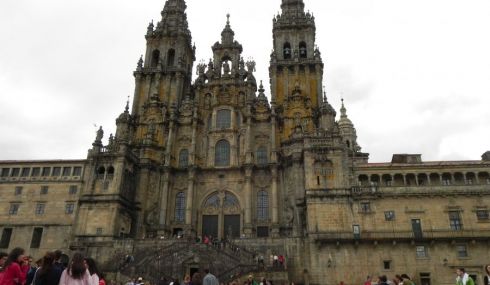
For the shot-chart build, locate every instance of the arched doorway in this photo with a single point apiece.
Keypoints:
(221, 216)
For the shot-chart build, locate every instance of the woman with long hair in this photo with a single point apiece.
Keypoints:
(93, 270)
(48, 273)
(76, 273)
(486, 279)
(187, 279)
(16, 268)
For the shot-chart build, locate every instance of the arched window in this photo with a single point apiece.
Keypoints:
(101, 170)
(261, 155)
(155, 58)
(183, 158)
(171, 57)
(286, 50)
(110, 170)
(223, 119)
(222, 153)
(180, 207)
(302, 50)
(262, 206)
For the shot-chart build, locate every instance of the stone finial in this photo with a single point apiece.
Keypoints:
(139, 67)
(126, 109)
(343, 110)
(150, 29)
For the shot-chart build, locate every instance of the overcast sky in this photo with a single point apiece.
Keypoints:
(415, 74)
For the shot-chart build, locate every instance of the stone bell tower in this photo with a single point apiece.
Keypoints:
(296, 68)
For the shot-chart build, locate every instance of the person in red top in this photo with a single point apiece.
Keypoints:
(16, 268)
(368, 280)
(3, 259)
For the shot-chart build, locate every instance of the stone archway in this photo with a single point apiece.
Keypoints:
(221, 216)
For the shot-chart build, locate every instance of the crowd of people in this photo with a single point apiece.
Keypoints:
(18, 269)
(462, 278)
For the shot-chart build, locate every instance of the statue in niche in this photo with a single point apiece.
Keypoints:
(226, 68)
(288, 211)
(207, 101)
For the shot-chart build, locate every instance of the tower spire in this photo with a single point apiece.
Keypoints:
(228, 35)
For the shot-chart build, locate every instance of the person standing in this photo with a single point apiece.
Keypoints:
(48, 273)
(463, 278)
(16, 268)
(93, 270)
(76, 273)
(3, 259)
(486, 279)
(209, 279)
(369, 280)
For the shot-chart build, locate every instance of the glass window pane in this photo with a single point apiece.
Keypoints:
(223, 119)
(261, 156)
(222, 153)
(262, 206)
(180, 207)
(183, 158)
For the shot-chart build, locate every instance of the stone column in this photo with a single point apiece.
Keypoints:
(137, 94)
(190, 198)
(319, 83)
(164, 199)
(168, 150)
(274, 196)
(248, 201)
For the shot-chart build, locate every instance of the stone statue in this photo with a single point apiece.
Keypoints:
(100, 135)
(226, 68)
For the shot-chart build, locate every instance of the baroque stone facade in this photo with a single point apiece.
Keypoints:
(213, 156)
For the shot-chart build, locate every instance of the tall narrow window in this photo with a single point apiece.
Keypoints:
(77, 171)
(56, 171)
(261, 155)
(302, 50)
(286, 50)
(184, 158)
(44, 190)
(223, 119)
(18, 190)
(180, 208)
(262, 206)
(14, 209)
(462, 251)
(155, 58)
(171, 57)
(66, 171)
(69, 208)
(455, 221)
(36, 171)
(5, 172)
(73, 189)
(25, 172)
(222, 153)
(15, 172)
(40, 208)
(6, 235)
(37, 236)
(46, 171)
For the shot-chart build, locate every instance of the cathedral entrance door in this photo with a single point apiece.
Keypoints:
(232, 226)
(210, 225)
(221, 215)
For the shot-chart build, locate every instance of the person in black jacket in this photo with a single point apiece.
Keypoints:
(48, 273)
(486, 279)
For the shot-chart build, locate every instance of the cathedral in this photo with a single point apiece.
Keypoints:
(213, 156)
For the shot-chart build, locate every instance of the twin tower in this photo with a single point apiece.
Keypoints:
(213, 156)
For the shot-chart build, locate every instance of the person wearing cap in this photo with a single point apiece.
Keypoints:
(209, 279)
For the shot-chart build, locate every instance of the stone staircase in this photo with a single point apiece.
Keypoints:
(172, 259)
